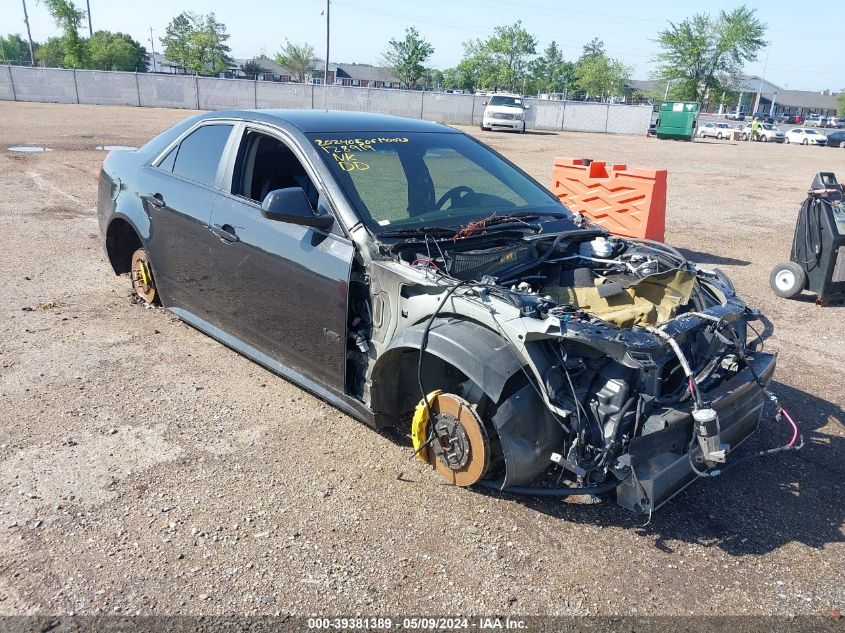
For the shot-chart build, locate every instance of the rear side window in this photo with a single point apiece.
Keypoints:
(199, 154)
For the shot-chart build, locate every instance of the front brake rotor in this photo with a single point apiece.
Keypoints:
(141, 275)
(460, 451)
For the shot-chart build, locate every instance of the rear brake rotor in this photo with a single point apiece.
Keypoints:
(461, 451)
(141, 274)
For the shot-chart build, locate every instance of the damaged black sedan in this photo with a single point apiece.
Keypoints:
(411, 276)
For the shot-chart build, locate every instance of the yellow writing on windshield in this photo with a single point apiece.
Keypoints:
(349, 162)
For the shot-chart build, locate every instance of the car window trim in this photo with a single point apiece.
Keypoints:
(228, 174)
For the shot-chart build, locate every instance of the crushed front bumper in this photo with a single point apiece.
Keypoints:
(660, 466)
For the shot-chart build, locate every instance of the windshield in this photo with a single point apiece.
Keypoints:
(499, 100)
(413, 180)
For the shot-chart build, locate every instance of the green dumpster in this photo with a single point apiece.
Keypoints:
(677, 120)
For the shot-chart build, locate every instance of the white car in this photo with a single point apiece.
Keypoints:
(836, 122)
(816, 120)
(504, 112)
(805, 136)
(715, 130)
(767, 133)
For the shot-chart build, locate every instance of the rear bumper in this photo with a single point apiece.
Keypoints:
(659, 462)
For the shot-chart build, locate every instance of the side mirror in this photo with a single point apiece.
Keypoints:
(291, 205)
(526, 107)
(483, 103)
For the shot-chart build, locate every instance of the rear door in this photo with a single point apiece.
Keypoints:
(181, 189)
(280, 287)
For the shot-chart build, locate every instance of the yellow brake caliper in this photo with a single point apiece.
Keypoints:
(419, 425)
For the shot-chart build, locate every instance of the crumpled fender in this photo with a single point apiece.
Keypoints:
(480, 353)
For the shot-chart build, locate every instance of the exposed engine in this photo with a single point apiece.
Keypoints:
(609, 379)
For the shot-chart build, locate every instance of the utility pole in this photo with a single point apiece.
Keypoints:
(153, 48)
(326, 69)
(28, 35)
(90, 30)
(760, 91)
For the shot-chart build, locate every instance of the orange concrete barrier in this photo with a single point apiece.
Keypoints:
(627, 202)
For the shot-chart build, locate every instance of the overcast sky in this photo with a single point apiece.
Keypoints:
(806, 51)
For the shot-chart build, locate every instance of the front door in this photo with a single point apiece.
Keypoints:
(280, 287)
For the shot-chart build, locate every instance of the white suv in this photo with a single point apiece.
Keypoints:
(504, 112)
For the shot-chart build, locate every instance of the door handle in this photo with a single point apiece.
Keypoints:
(157, 200)
(225, 232)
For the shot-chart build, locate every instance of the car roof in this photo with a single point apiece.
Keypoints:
(331, 121)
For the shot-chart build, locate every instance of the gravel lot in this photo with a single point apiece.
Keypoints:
(145, 468)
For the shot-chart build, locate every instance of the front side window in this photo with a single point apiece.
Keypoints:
(423, 179)
(199, 154)
(264, 164)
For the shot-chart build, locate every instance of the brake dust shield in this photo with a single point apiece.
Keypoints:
(460, 453)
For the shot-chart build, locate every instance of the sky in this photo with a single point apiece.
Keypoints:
(805, 51)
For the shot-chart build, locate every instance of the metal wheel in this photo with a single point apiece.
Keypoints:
(842, 144)
(719, 135)
(805, 142)
(764, 138)
(787, 280)
(460, 452)
(141, 274)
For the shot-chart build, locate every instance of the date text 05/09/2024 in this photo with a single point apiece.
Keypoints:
(416, 623)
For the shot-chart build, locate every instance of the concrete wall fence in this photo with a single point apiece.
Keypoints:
(56, 85)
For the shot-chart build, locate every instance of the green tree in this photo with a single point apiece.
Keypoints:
(197, 42)
(13, 48)
(593, 48)
(50, 53)
(500, 61)
(704, 54)
(116, 51)
(251, 68)
(551, 73)
(434, 78)
(407, 57)
(68, 17)
(601, 76)
(840, 102)
(298, 59)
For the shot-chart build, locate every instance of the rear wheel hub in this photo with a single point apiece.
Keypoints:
(141, 274)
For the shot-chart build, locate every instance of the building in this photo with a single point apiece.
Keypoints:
(158, 63)
(754, 94)
(758, 95)
(366, 76)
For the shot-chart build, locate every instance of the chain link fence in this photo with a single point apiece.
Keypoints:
(56, 85)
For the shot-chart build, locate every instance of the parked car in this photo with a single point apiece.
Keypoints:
(504, 112)
(766, 133)
(735, 116)
(835, 122)
(793, 119)
(401, 270)
(805, 136)
(715, 130)
(764, 118)
(836, 139)
(815, 120)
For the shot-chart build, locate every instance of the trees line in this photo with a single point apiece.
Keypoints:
(699, 57)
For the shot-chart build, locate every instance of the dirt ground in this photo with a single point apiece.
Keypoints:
(144, 468)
